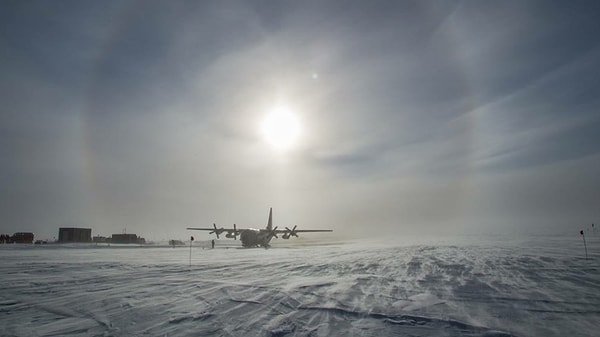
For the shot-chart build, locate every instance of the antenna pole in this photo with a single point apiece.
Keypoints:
(584, 245)
(191, 240)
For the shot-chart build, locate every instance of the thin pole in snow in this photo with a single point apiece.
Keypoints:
(191, 240)
(584, 245)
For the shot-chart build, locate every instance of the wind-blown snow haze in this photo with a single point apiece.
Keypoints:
(406, 286)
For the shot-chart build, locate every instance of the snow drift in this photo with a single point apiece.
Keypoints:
(466, 287)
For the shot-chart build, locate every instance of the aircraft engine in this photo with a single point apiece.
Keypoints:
(217, 231)
(290, 232)
(273, 233)
(232, 235)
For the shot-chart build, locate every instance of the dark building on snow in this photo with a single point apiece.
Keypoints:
(100, 239)
(72, 234)
(22, 237)
(127, 238)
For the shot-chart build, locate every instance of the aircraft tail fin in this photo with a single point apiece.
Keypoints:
(270, 223)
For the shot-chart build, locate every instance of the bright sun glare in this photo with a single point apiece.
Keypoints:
(281, 129)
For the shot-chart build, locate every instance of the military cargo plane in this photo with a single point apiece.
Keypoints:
(251, 237)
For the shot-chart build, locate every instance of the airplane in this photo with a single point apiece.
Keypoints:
(252, 238)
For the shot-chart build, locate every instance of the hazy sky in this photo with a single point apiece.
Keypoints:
(416, 116)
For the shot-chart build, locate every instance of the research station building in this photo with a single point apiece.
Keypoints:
(73, 234)
(127, 238)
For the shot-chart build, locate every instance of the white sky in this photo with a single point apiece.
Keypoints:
(417, 117)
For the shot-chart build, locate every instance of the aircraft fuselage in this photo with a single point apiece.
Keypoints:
(255, 238)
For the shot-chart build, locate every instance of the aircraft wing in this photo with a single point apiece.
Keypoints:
(208, 229)
(230, 232)
(287, 232)
(277, 231)
(281, 231)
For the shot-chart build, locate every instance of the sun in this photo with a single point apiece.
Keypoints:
(280, 129)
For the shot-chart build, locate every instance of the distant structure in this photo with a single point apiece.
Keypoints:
(174, 243)
(127, 238)
(73, 234)
(99, 238)
(21, 237)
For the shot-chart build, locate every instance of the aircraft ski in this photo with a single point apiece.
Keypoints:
(251, 237)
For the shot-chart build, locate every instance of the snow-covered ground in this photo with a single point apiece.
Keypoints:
(402, 287)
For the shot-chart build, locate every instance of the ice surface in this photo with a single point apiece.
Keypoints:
(403, 287)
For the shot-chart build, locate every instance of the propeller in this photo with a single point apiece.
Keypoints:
(290, 232)
(273, 233)
(232, 234)
(217, 231)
